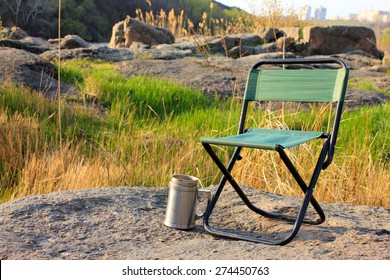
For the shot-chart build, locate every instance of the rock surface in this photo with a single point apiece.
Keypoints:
(127, 223)
(341, 39)
(130, 30)
(28, 45)
(73, 42)
(28, 69)
(227, 77)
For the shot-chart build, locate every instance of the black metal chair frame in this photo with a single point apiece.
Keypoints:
(324, 160)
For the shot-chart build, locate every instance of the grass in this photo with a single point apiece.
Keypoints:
(141, 130)
(366, 84)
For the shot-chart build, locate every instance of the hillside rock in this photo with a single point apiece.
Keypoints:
(127, 223)
(28, 69)
(341, 39)
(131, 30)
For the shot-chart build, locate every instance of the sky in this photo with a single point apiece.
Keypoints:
(334, 7)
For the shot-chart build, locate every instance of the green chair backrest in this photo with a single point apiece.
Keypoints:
(300, 85)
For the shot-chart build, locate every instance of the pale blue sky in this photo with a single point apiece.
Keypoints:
(334, 7)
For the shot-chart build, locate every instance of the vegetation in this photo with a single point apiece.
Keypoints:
(366, 84)
(384, 41)
(141, 130)
(91, 20)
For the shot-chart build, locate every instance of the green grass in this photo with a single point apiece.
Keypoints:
(366, 84)
(141, 130)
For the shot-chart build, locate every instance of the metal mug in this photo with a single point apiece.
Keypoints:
(182, 202)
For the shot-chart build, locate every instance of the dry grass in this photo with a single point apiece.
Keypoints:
(353, 177)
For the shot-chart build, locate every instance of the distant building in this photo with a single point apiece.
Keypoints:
(320, 13)
(305, 13)
(351, 17)
(373, 16)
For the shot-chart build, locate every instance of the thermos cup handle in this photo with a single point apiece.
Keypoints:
(208, 192)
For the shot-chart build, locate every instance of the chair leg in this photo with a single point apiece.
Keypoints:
(303, 186)
(308, 190)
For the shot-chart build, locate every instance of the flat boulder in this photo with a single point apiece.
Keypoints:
(127, 223)
(28, 44)
(28, 69)
(341, 39)
(126, 32)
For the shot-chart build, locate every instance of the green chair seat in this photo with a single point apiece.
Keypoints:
(268, 139)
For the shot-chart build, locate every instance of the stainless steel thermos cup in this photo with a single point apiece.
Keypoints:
(182, 203)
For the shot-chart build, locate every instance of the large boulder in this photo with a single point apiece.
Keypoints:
(28, 69)
(131, 30)
(73, 42)
(341, 39)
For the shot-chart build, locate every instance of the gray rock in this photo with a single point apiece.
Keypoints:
(73, 42)
(14, 33)
(284, 43)
(130, 30)
(239, 51)
(270, 34)
(118, 54)
(359, 59)
(118, 35)
(197, 73)
(266, 48)
(36, 41)
(341, 39)
(298, 47)
(31, 46)
(28, 69)
(103, 53)
(227, 43)
(128, 223)
(139, 46)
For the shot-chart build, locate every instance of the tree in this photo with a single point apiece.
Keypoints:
(14, 7)
(34, 9)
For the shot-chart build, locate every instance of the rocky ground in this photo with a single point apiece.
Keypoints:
(127, 223)
(213, 74)
(226, 76)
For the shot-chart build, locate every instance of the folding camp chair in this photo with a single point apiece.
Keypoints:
(325, 81)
